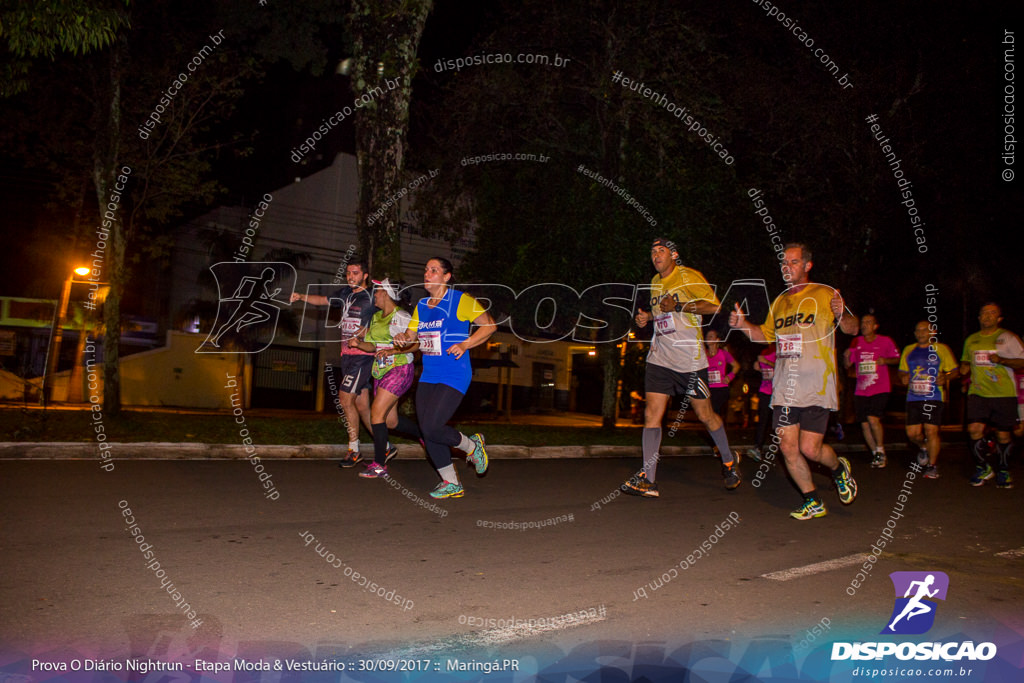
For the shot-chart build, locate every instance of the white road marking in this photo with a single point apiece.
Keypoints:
(494, 637)
(1011, 554)
(817, 567)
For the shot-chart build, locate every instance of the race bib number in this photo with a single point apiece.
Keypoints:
(349, 326)
(383, 362)
(981, 358)
(664, 324)
(767, 373)
(789, 345)
(866, 367)
(921, 387)
(714, 377)
(430, 343)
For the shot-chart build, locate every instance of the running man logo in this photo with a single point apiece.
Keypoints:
(250, 296)
(914, 612)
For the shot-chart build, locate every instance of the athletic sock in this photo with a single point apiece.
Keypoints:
(651, 441)
(812, 495)
(353, 445)
(380, 442)
(722, 442)
(466, 445)
(1003, 449)
(978, 451)
(448, 474)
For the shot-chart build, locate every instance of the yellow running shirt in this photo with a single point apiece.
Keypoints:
(678, 343)
(803, 328)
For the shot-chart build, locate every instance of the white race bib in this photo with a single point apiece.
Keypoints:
(664, 324)
(384, 361)
(349, 326)
(866, 367)
(430, 342)
(714, 377)
(981, 358)
(789, 345)
(921, 387)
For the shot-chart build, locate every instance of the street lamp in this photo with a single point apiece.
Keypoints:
(57, 333)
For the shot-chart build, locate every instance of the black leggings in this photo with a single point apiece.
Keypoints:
(435, 405)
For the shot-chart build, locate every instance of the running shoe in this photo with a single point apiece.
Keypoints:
(931, 472)
(811, 508)
(351, 459)
(639, 486)
(446, 489)
(1004, 480)
(374, 471)
(755, 454)
(982, 473)
(478, 457)
(845, 484)
(732, 476)
(878, 462)
(390, 454)
(922, 457)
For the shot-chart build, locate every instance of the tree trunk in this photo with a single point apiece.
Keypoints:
(611, 361)
(106, 147)
(382, 85)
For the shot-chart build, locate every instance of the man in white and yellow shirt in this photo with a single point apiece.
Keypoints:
(802, 323)
(677, 364)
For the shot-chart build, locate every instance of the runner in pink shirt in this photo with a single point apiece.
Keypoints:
(765, 364)
(872, 354)
(722, 367)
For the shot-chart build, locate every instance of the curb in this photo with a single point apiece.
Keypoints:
(204, 451)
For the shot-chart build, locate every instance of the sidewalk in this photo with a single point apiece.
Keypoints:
(740, 439)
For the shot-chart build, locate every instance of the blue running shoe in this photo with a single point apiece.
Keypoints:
(845, 484)
(446, 489)
(982, 473)
(479, 455)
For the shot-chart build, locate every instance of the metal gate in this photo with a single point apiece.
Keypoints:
(283, 377)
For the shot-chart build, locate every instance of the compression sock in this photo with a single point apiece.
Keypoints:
(380, 442)
(651, 441)
(1003, 449)
(722, 441)
(978, 451)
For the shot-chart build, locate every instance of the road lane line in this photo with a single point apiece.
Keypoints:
(1011, 554)
(817, 567)
(490, 638)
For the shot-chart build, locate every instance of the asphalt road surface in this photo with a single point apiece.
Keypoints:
(285, 576)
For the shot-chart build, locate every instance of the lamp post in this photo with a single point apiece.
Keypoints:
(57, 334)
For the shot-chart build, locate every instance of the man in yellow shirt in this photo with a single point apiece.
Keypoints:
(802, 323)
(677, 364)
